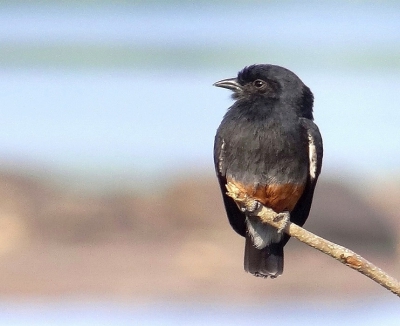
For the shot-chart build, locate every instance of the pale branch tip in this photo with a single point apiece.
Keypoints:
(340, 253)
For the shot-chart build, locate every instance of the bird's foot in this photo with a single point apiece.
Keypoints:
(245, 203)
(251, 206)
(283, 220)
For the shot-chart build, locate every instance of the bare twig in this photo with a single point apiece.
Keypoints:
(338, 252)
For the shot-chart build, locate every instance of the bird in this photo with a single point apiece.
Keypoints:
(268, 146)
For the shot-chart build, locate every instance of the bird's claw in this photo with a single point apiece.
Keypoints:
(245, 203)
(251, 206)
(283, 220)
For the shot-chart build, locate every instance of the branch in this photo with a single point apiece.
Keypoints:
(342, 254)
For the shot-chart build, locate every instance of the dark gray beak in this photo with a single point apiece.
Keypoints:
(230, 83)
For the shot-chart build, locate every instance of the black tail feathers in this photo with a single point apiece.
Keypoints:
(263, 262)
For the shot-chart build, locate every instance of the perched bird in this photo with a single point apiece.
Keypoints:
(269, 147)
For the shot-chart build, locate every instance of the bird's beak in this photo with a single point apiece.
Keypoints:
(230, 83)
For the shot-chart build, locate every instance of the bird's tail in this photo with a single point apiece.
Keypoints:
(263, 262)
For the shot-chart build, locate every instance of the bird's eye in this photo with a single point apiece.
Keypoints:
(258, 83)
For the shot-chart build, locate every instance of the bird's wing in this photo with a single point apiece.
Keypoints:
(301, 210)
(237, 219)
(315, 151)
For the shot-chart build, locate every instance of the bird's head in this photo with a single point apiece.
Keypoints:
(272, 83)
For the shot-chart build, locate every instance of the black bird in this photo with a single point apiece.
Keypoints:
(269, 147)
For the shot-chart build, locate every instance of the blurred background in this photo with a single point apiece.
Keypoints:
(110, 212)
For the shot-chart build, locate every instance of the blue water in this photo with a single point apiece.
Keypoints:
(289, 313)
(110, 121)
(96, 122)
(311, 23)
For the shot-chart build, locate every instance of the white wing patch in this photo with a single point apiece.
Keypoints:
(221, 157)
(312, 154)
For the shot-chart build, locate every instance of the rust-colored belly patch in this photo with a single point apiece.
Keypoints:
(279, 197)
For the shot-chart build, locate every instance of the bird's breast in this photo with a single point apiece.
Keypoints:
(269, 151)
